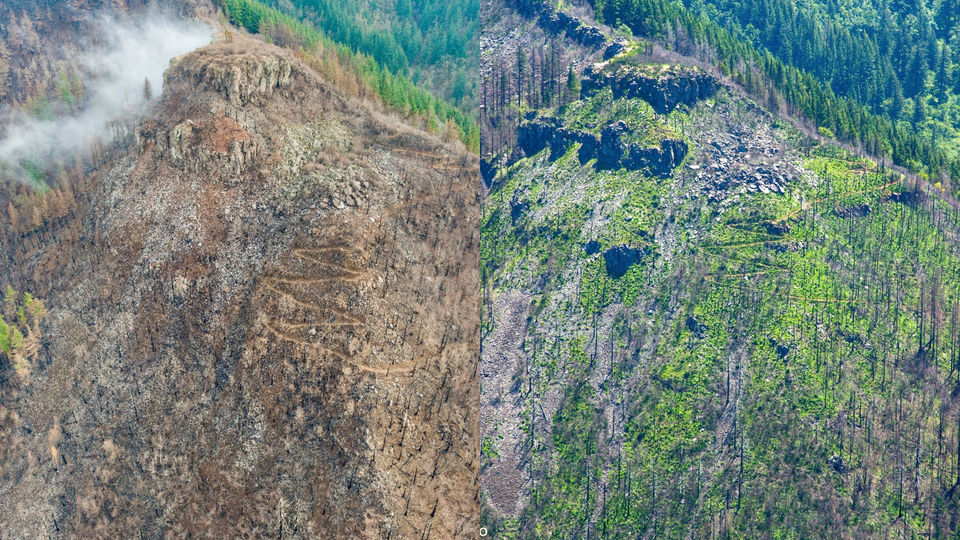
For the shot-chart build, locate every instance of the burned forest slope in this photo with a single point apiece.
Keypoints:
(260, 318)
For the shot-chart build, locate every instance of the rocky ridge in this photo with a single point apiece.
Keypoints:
(608, 149)
(664, 89)
(263, 321)
(556, 22)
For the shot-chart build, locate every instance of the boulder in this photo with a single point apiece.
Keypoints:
(776, 228)
(518, 208)
(836, 462)
(859, 210)
(614, 48)
(696, 327)
(619, 259)
(781, 349)
(906, 197)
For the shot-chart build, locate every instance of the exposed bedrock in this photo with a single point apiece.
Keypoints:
(610, 150)
(664, 91)
(558, 22)
(656, 161)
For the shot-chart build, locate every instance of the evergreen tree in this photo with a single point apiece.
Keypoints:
(573, 84)
(919, 111)
(459, 90)
(942, 80)
(917, 76)
(897, 101)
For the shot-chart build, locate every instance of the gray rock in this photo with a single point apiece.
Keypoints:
(518, 208)
(557, 22)
(591, 247)
(619, 259)
(614, 49)
(859, 210)
(656, 161)
(612, 147)
(664, 92)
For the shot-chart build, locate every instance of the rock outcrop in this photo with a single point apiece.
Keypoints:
(911, 197)
(619, 259)
(545, 132)
(240, 78)
(612, 147)
(558, 22)
(263, 321)
(610, 151)
(664, 90)
(656, 161)
(614, 48)
(860, 210)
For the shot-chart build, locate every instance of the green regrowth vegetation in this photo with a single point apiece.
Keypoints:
(785, 365)
(601, 109)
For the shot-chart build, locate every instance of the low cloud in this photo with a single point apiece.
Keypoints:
(129, 50)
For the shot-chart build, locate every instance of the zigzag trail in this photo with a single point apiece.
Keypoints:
(313, 306)
(286, 337)
(281, 328)
(293, 281)
(395, 369)
(305, 254)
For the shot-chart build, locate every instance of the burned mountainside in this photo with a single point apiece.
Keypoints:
(260, 317)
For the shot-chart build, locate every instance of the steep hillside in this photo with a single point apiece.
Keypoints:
(701, 322)
(260, 319)
(532, 56)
